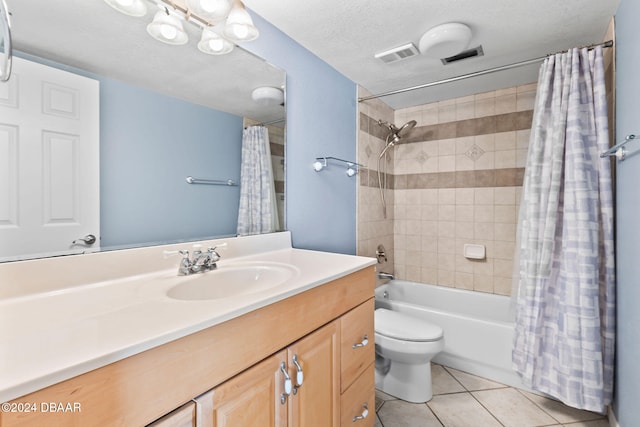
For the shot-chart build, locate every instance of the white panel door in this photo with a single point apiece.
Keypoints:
(49, 162)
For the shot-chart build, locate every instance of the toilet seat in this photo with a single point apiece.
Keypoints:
(404, 327)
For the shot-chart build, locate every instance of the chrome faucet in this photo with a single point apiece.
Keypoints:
(385, 276)
(199, 262)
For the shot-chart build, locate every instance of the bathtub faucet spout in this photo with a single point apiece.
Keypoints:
(385, 276)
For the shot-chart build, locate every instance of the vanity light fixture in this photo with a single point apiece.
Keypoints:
(167, 28)
(223, 22)
(211, 10)
(129, 7)
(214, 44)
(239, 25)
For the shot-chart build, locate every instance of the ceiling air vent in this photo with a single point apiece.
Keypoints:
(397, 53)
(465, 54)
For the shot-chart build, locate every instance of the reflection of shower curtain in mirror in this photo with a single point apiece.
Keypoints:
(564, 338)
(258, 210)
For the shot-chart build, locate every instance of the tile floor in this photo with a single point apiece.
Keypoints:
(464, 400)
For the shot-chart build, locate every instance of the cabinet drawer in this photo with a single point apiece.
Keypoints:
(361, 393)
(356, 352)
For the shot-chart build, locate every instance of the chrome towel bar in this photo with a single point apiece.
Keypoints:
(618, 150)
(228, 182)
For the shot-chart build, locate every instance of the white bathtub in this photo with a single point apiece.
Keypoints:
(478, 330)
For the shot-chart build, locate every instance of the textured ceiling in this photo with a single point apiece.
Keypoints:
(347, 34)
(88, 34)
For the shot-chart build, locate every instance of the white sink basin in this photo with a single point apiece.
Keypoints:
(232, 280)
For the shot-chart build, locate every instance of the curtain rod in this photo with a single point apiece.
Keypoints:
(272, 122)
(608, 43)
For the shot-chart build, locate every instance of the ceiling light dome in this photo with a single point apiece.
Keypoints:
(167, 29)
(267, 95)
(443, 41)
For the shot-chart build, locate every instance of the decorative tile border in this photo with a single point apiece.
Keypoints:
(511, 177)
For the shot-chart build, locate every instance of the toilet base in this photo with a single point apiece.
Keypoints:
(409, 382)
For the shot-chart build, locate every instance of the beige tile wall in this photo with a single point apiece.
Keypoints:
(456, 180)
(373, 228)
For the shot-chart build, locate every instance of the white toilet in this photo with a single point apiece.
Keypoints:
(405, 346)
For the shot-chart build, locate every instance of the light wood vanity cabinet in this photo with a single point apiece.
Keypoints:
(234, 369)
(257, 397)
(336, 371)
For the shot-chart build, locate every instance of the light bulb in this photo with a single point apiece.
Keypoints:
(216, 45)
(209, 6)
(129, 7)
(318, 166)
(240, 31)
(239, 25)
(351, 171)
(167, 29)
(212, 43)
(168, 32)
(210, 10)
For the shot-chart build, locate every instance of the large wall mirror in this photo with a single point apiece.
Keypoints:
(165, 113)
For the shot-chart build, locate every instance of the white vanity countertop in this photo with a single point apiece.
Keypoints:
(50, 336)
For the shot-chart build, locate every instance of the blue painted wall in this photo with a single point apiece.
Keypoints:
(149, 144)
(321, 122)
(627, 392)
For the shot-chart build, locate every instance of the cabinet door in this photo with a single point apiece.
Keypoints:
(184, 416)
(250, 399)
(317, 401)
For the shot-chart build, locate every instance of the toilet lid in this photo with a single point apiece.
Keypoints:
(402, 326)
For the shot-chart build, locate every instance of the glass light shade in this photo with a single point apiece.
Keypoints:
(214, 44)
(167, 29)
(239, 25)
(211, 10)
(128, 7)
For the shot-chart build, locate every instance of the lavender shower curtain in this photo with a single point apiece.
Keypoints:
(258, 208)
(564, 337)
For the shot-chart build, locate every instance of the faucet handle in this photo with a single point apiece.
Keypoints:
(184, 253)
(215, 256)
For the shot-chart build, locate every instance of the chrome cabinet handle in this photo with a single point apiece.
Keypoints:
(364, 342)
(364, 413)
(299, 374)
(88, 240)
(287, 384)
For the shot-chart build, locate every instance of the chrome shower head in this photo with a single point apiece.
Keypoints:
(406, 128)
(395, 133)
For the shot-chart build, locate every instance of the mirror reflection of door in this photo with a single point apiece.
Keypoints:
(49, 162)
